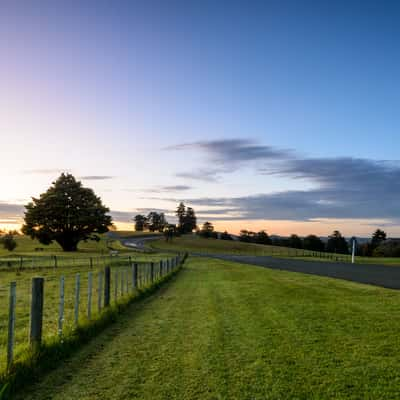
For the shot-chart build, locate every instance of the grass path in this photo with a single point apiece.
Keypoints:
(222, 330)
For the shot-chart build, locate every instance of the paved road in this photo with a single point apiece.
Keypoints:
(377, 275)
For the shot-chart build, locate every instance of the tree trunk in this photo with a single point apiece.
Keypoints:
(68, 244)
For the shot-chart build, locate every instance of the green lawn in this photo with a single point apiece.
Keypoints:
(222, 330)
(194, 243)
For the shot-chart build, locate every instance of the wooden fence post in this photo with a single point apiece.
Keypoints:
(115, 286)
(89, 299)
(77, 298)
(55, 262)
(99, 291)
(107, 281)
(36, 322)
(134, 277)
(61, 307)
(161, 268)
(151, 272)
(11, 323)
(122, 283)
(127, 281)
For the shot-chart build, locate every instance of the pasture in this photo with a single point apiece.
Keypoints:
(91, 259)
(222, 330)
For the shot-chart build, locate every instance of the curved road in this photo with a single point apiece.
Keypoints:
(378, 275)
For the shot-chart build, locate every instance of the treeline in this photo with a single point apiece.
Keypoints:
(380, 246)
(377, 246)
(336, 242)
(157, 222)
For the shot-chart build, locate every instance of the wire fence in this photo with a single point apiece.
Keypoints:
(59, 261)
(41, 309)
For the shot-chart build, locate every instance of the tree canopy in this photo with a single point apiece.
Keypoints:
(66, 213)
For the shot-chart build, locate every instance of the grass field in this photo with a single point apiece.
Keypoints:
(222, 330)
(26, 247)
(68, 265)
(195, 244)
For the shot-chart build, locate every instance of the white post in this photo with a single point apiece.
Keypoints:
(353, 252)
(61, 307)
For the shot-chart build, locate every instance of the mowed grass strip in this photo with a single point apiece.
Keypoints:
(223, 330)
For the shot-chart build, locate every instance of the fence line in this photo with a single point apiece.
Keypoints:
(137, 275)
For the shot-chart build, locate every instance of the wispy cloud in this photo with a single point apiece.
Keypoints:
(345, 187)
(96, 177)
(227, 156)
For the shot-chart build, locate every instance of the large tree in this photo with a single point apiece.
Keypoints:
(187, 220)
(67, 214)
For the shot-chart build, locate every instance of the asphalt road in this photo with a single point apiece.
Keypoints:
(378, 275)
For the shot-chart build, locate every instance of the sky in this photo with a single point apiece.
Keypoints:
(275, 115)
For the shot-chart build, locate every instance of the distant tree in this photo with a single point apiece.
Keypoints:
(67, 213)
(162, 221)
(225, 236)
(140, 222)
(313, 243)
(8, 242)
(181, 214)
(337, 244)
(156, 221)
(170, 231)
(207, 230)
(262, 238)
(190, 221)
(378, 237)
(244, 236)
(295, 242)
(388, 248)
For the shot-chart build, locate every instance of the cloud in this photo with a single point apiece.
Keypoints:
(172, 188)
(227, 156)
(345, 187)
(204, 175)
(96, 177)
(234, 150)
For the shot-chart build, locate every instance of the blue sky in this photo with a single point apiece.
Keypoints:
(251, 97)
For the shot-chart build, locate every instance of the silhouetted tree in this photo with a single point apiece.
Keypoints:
(67, 213)
(262, 238)
(140, 222)
(170, 231)
(337, 244)
(313, 243)
(225, 236)
(156, 221)
(207, 230)
(8, 242)
(378, 237)
(295, 242)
